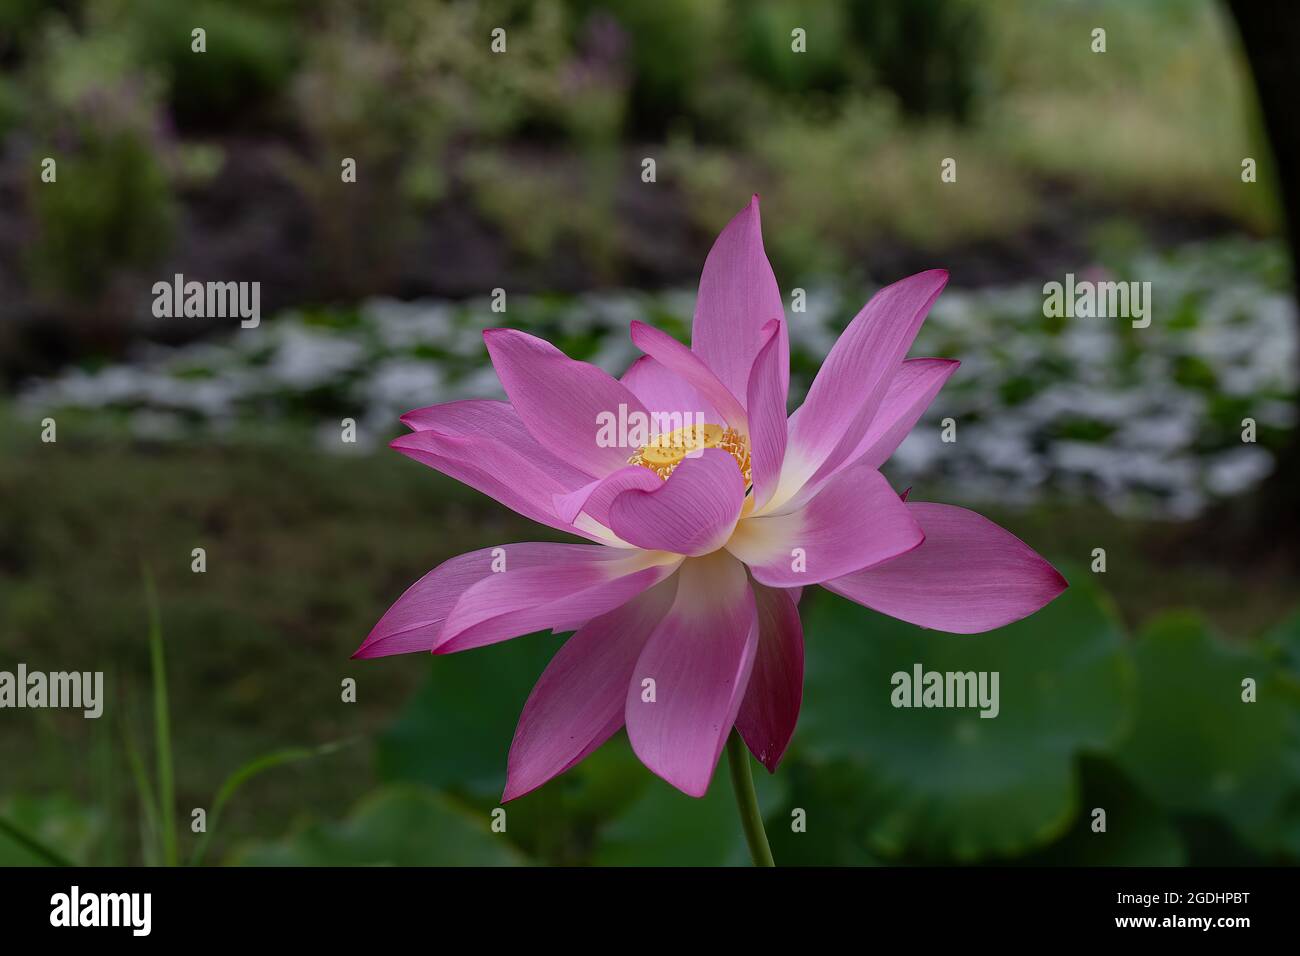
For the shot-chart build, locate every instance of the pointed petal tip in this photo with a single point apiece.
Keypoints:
(367, 651)
(512, 790)
(496, 334)
(1061, 581)
(938, 277)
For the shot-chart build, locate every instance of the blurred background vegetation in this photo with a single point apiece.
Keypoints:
(522, 171)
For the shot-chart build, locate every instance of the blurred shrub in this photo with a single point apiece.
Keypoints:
(19, 22)
(676, 48)
(839, 179)
(112, 204)
(11, 105)
(251, 55)
(1161, 120)
(830, 60)
(123, 218)
(929, 53)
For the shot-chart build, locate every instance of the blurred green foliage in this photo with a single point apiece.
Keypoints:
(543, 143)
(397, 826)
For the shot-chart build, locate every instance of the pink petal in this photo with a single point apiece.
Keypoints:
(689, 367)
(699, 658)
(414, 622)
(771, 706)
(968, 576)
(561, 401)
(911, 390)
(856, 521)
(854, 379)
(578, 702)
(767, 417)
(559, 595)
(738, 296)
(485, 445)
(692, 513)
(662, 391)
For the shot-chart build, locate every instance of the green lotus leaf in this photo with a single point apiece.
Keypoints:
(395, 826)
(1199, 747)
(456, 731)
(1136, 831)
(945, 783)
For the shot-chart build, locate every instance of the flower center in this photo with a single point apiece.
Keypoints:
(666, 451)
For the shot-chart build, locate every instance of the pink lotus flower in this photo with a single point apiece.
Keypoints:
(685, 607)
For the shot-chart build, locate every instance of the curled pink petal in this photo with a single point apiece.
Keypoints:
(562, 402)
(501, 459)
(414, 622)
(691, 513)
(738, 296)
(969, 575)
(771, 706)
(595, 497)
(856, 521)
(558, 595)
(579, 700)
(689, 681)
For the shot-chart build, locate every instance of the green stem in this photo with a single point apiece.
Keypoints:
(162, 725)
(742, 781)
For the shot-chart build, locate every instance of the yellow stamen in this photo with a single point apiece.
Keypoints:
(665, 452)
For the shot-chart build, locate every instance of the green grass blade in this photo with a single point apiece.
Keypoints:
(161, 726)
(144, 793)
(33, 845)
(247, 772)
